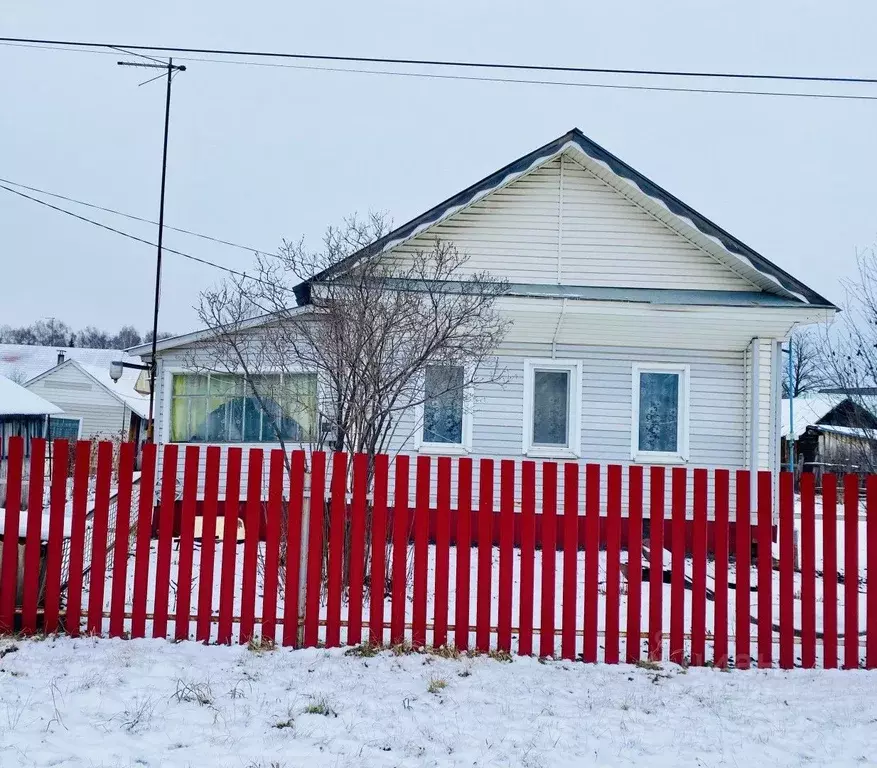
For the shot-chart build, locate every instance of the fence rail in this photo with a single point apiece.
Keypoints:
(338, 551)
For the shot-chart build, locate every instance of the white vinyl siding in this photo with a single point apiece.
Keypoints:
(80, 397)
(574, 230)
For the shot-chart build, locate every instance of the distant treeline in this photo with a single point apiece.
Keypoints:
(51, 332)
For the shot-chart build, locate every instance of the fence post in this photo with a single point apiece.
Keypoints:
(9, 571)
(31, 587)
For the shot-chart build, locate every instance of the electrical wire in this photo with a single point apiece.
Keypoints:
(520, 81)
(447, 63)
(133, 217)
(134, 237)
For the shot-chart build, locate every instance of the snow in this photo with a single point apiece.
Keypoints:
(91, 702)
(15, 400)
(807, 411)
(44, 524)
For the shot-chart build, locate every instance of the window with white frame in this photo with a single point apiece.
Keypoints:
(552, 399)
(224, 408)
(444, 420)
(659, 429)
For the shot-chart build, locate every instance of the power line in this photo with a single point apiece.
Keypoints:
(526, 81)
(132, 237)
(448, 63)
(133, 217)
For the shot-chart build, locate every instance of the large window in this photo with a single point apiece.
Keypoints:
(224, 408)
(660, 405)
(445, 422)
(552, 402)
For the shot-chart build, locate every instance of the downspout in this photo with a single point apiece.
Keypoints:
(754, 400)
(557, 329)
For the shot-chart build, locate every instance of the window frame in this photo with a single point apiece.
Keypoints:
(166, 377)
(573, 414)
(447, 449)
(681, 455)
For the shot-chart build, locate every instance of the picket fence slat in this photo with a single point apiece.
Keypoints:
(31, 579)
(634, 563)
(570, 558)
(591, 552)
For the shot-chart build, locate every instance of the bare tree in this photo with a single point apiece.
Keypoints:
(366, 331)
(807, 365)
(849, 360)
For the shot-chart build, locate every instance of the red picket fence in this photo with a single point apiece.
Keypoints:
(325, 549)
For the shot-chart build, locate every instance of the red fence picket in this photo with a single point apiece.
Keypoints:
(100, 520)
(613, 563)
(570, 556)
(421, 551)
(360, 528)
(808, 570)
(506, 555)
(31, 576)
(485, 555)
(208, 541)
(634, 563)
(464, 552)
(656, 563)
(357, 549)
(251, 545)
(743, 518)
(273, 527)
(787, 575)
(549, 558)
(442, 552)
(698, 572)
(528, 554)
(9, 570)
(829, 572)
(677, 565)
(186, 543)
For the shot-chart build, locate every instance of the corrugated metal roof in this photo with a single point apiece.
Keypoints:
(808, 411)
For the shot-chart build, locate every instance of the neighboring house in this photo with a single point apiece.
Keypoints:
(78, 380)
(93, 404)
(641, 332)
(831, 433)
(22, 414)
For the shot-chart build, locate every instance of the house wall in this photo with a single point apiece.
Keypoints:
(81, 397)
(561, 224)
(718, 416)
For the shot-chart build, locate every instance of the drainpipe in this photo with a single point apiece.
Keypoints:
(755, 398)
(557, 329)
(790, 352)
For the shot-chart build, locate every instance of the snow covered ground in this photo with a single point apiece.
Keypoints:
(117, 704)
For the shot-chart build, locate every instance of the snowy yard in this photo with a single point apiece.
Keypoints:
(121, 703)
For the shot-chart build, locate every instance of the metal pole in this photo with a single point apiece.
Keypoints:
(150, 430)
(791, 411)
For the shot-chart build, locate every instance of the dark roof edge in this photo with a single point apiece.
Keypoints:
(617, 166)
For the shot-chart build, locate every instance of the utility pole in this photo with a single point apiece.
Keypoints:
(169, 68)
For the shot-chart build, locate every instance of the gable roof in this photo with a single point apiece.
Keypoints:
(30, 360)
(15, 400)
(659, 202)
(123, 391)
(811, 410)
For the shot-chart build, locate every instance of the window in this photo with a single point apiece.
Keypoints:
(223, 408)
(61, 428)
(552, 395)
(660, 413)
(445, 424)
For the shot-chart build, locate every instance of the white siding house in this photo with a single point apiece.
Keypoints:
(663, 330)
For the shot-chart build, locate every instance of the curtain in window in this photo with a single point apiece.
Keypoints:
(443, 406)
(550, 407)
(658, 412)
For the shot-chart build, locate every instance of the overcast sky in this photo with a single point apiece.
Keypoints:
(260, 153)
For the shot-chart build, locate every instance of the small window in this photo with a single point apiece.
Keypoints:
(552, 392)
(660, 402)
(61, 428)
(224, 408)
(443, 418)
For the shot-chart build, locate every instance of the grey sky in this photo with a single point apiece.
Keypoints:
(260, 153)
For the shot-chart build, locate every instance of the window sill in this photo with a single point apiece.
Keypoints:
(443, 449)
(551, 453)
(646, 457)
